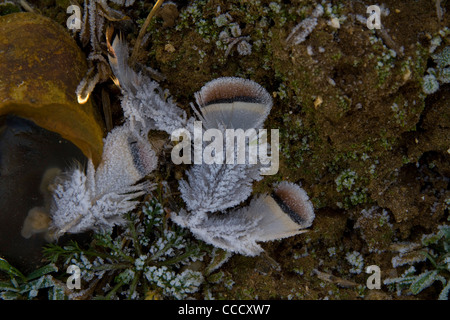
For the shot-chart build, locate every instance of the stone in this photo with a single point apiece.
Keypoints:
(30, 157)
(41, 67)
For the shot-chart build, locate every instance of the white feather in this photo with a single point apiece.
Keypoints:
(242, 229)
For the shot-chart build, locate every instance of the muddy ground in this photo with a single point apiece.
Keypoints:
(357, 131)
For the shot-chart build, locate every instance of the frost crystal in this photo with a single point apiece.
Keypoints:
(442, 74)
(176, 285)
(443, 58)
(223, 19)
(346, 180)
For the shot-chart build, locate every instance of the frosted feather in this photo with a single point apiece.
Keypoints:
(118, 59)
(216, 187)
(241, 230)
(224, 231)
(294, 201)
(226, 103)
(36, 221)
(126, 159)
(144, 103)
(97, 199)
(234, 103)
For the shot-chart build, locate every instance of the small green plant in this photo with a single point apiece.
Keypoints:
(346, 183)
(146, 257)
(437, 252)
(20, 287)
(440, 74)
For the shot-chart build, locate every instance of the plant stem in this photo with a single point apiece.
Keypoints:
(134, 283)
(113, 290)
(132, 229)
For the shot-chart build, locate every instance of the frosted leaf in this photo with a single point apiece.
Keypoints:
(443, 58)
(444, 75)
(430, 84)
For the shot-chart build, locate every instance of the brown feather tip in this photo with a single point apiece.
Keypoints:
(294, 201)
(143, 156)
(231, 89)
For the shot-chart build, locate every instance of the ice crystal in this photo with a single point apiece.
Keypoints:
(216, 187)
(444, 75)
(235, 39)
(443, 58)
(235, 30)
(173, 284)
(223, 19)
(346, 180)
(22, 286)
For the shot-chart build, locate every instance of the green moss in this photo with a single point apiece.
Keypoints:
(7, 8)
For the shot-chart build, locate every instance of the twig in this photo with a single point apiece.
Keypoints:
(275, 265)
(335, 280)
(439, 11)
(142, 32)
(26, 6)
(106, 103)
(389, 42)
